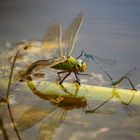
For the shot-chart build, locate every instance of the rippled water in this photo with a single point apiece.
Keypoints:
(111, 29)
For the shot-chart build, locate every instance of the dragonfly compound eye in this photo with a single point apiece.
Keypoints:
(79, 62)
(81, 65)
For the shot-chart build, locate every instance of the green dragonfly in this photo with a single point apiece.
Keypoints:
(54, 51)
(61, 47)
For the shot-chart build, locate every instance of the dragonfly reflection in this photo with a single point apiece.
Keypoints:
(56, 111)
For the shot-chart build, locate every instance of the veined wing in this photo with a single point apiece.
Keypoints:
(48, 128)
(33, 115)
(70, 35)
(105, 60)
(36, 113)
(52, 40)
(99, 59)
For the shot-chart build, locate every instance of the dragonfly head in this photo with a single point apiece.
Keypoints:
(81, 65)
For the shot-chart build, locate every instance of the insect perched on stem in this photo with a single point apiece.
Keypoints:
(61, 46)
(114, 83)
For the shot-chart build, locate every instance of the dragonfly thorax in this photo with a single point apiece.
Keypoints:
(71, 64)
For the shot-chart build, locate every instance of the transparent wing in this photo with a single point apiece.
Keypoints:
(105, 61)
(70, 35)
(132, 72)
(48, 128)
(52, 40)
(131, 110)
(33, 115)
(99, 60)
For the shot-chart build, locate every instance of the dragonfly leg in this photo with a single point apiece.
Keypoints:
(129, 109)
(94, 110)
(80, 55)
(58, 73)
(125, 105)
(85, 74)
(129, 101)
(65, 78)
(77, 79)
(121, 79)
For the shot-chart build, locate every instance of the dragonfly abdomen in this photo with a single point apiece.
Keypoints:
(35, 66)
(38, 64)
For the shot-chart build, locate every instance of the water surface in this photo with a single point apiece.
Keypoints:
(111, 29)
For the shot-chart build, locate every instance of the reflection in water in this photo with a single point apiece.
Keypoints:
(47, 129)
(57, 111)
(60, 105)
(35, 114)
(130, 110)
(3, 130)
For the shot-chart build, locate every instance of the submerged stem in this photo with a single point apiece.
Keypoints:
(11, 74)
(7, 95)
(5, 135)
